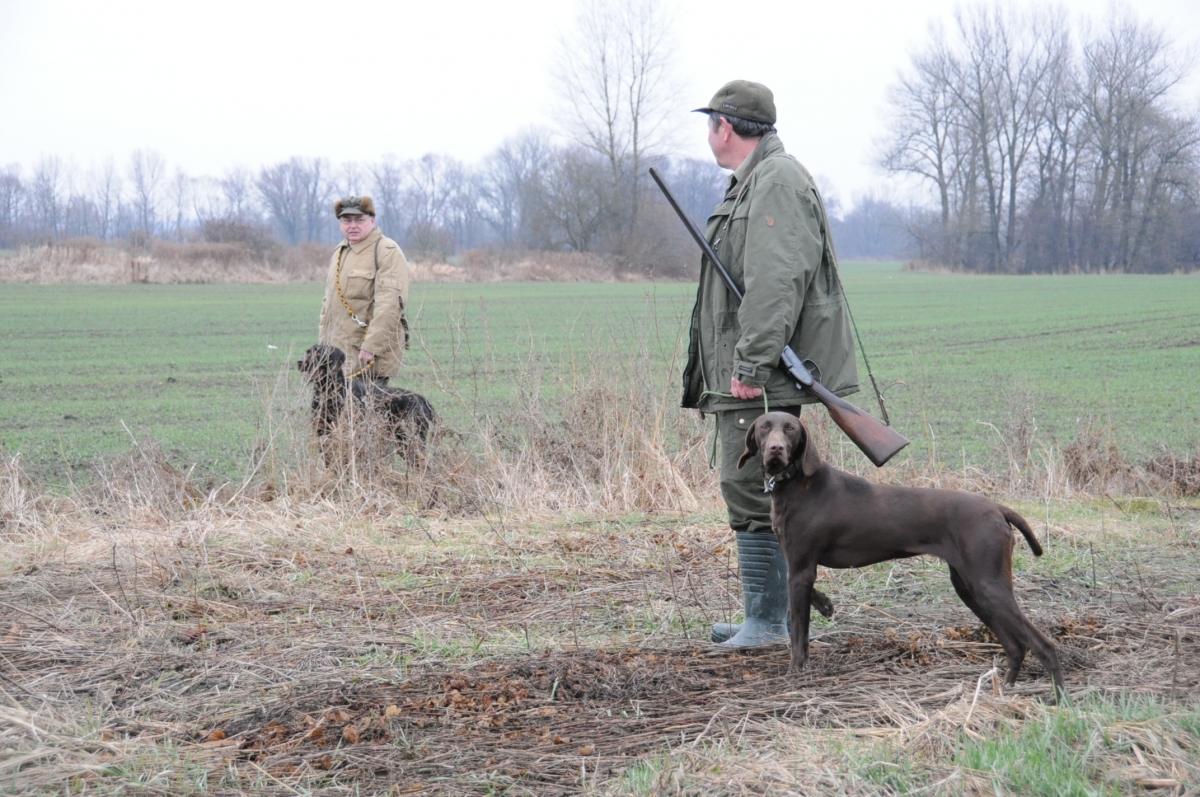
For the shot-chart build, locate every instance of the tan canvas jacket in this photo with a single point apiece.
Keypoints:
(374, 280)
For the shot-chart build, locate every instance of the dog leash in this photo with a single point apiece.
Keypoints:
(712, 455)
(337, 283)
(361, 371)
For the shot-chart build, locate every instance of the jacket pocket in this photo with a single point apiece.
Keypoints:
(360, 285)
(733, 244)
(824, 337)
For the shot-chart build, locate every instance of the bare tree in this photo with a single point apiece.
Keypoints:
(433, 183)
(388, 180)
(698, 184)
(147, 170)
(299, 198)
(509, 182)
(464, 218)
(614, 77)
(874, 228)
(236, 188)
(79, 216)
(349, 179)
(1043, 157)
(1050, 213)
(923, 137)
(574, 201)
(45, 195)
(105, 189)
(181, 190)
(208, 202)
(1129, 72)
(1029, 48)
(11, 195)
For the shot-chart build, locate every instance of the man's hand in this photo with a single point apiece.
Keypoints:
(743, 391)
(365, 357)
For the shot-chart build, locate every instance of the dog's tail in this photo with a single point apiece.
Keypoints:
(1022, 526)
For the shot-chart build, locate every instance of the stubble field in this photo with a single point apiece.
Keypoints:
(525, 612)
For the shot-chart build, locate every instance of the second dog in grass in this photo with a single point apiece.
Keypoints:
(407, 415)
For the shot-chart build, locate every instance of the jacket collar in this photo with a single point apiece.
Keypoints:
(768, 145)
(367, 242)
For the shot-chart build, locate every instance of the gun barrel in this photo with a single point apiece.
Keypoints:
(705, 246)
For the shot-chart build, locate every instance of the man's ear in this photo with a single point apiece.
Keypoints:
(810, 460)
(751, 445)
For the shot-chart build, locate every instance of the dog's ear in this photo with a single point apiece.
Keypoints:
(751, 445)
(810, 460)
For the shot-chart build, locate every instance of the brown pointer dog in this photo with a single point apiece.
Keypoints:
(825, 516)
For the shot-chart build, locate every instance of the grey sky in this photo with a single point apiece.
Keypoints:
(210, 84)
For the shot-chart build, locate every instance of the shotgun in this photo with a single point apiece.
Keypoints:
(879, 442)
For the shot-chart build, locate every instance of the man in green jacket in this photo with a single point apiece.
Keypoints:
(773, 236)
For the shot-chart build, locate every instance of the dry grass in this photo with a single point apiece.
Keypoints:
(485, 265)
(90, 261)
(524, 612)
(324, 644)
(1180, 473)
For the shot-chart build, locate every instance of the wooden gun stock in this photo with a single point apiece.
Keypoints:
(879, 442)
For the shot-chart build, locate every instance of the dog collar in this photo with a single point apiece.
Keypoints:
(788, 473)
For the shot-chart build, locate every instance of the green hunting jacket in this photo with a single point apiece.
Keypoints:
(772, 234)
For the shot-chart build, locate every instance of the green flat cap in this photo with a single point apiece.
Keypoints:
(354, 205)
(744, 98)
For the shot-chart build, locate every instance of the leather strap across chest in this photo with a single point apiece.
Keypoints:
(337, 282)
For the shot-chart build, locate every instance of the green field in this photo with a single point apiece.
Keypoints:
(85, 369)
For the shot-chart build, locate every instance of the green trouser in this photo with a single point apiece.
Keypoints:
(760, 561)
(749, 507)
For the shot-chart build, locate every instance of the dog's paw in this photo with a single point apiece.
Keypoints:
(822, 604)
(796, 665)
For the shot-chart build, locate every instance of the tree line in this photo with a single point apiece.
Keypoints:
(528, 194)
(1048, 148)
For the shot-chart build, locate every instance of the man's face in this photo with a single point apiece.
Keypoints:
(719, 142)
(356, 226)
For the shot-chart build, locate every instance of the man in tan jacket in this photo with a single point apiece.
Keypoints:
(365, 295)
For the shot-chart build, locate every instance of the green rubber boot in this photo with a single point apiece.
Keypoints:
(764, 594)
(723, 631)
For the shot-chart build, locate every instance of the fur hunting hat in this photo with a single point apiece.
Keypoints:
(354, 206)
(745, 99)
